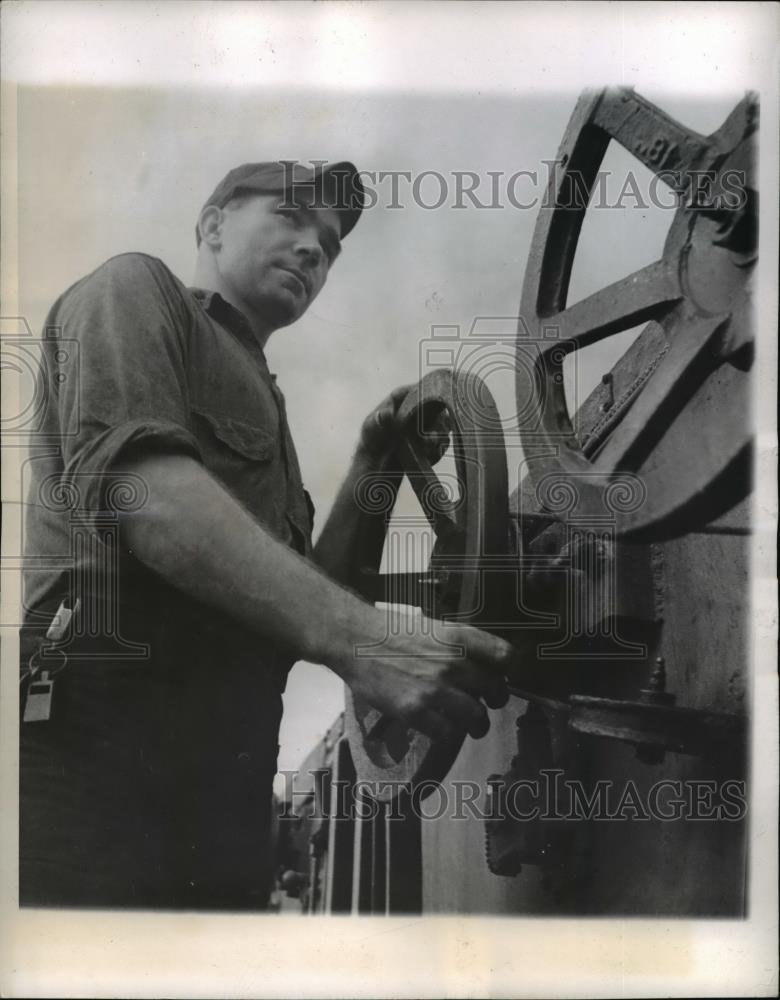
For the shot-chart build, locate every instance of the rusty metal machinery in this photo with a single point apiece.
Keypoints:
(651, 456)
(673, 451)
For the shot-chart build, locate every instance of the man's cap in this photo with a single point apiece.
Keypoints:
(332, 185)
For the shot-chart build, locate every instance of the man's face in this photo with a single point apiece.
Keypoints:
(274, 259)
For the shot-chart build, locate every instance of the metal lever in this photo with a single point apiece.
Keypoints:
(655, 725)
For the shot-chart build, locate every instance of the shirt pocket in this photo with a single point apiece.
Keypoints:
(246, 459)
(249, 441)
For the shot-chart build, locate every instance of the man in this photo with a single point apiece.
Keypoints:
(146, 782)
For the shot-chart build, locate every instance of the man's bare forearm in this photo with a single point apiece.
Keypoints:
(337, 548)
(199, 538)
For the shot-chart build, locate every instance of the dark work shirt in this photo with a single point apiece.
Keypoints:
(136, 363)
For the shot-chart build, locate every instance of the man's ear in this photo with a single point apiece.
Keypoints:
(210, 226)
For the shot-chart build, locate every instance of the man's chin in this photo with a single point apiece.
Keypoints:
(281, 310)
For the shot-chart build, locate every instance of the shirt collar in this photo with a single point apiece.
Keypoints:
(228, 316)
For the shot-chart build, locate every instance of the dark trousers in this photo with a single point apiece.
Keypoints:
(150, 785)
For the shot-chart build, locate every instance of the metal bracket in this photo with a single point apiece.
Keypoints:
(514, 838)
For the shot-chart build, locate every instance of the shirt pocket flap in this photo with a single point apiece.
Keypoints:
(246, 439)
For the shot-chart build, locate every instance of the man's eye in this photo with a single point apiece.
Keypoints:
(331, 251)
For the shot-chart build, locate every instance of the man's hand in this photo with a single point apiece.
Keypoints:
(195, 535)
(437, 680)
(381, 432)
(337, 549)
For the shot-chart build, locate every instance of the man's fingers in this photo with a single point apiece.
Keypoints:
(442, 424)
(380, 426)
(394, 401)
(464, 711)
(435, 435)
(435, 439)
(479, 645)
(385, 416)
(480, 722)
(397, 396)
(497, 692)
(481, 682)
(433, 724)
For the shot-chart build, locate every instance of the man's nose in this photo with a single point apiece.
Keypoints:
(308, 249)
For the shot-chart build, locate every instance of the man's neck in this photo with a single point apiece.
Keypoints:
(209, 279)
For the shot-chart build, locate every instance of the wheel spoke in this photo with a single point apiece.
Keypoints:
(427, 488)
(644, 295)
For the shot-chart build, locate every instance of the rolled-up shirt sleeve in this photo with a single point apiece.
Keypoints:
(130, 396)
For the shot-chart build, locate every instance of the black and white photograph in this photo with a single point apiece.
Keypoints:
(389, 499)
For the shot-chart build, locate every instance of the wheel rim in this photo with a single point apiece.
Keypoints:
(454, 587)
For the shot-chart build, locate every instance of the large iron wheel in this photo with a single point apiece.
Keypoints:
(684, 431)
